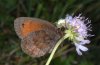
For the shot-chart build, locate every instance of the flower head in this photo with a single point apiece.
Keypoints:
(77, 31)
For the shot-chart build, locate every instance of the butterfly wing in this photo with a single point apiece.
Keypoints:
(39, 43)
(24, 25)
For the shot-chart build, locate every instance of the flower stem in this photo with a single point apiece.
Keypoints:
(54, 50)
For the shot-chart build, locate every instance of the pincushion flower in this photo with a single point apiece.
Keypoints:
(77, 31)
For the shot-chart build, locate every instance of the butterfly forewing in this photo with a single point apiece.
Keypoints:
(24, 25)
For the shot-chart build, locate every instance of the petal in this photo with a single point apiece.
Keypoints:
(83, 48)
(85, 42)
(79, 38)
(61, 23)
(78, 51)
(68, 18)
(82, 41)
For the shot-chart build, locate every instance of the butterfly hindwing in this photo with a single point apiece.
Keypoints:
(39, 43)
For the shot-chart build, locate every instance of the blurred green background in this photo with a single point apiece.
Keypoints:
(51, 10)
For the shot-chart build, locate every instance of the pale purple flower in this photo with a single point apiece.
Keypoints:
(77, 31)
(79, 24)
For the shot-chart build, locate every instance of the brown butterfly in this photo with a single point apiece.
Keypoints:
(38, 37)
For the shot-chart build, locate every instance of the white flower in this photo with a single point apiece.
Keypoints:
(61, 23)
(77, 31)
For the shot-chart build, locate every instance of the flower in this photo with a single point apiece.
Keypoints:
(61, 23)
(77, 31)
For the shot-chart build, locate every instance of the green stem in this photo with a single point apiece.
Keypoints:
(54, 50)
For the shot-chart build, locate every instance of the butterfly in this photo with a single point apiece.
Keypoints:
(38, 37)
